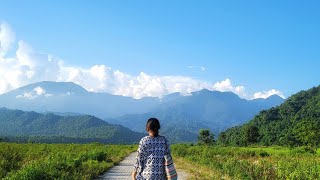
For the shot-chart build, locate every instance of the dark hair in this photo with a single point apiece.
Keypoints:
(153, 125)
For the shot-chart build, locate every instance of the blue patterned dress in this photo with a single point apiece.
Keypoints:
(150, 159)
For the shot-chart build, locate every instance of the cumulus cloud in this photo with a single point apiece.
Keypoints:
(38, 91)
(266, 94)
(29, 66)
(101, 78)
(146, 85)
(226, 86)
(27, 95)
(7, 37)
(26, 67)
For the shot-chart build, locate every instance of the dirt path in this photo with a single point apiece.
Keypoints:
(124, 169)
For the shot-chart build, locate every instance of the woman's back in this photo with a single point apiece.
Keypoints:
(150, 159)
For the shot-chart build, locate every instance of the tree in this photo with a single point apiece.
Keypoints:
(222, 139)
(250, 134)
(205, 137)
(307, 132)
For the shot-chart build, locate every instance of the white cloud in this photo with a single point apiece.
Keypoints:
(28, 95)
(146, 85)
(29, 66)
(7, 37)
(226, 86)
(266, 94)
(39, 91)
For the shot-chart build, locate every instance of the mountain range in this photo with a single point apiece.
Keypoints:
(181, 116)
(68, 97)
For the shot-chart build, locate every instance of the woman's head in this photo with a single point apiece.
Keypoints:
(153, 126)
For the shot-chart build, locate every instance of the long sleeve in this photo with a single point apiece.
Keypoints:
(149, 161)
(168, 149)
(139, 163)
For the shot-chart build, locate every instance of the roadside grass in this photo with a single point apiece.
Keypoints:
(59, 161)
(213, 162)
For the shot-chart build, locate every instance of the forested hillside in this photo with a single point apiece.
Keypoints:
(34, 126)
(295, 122)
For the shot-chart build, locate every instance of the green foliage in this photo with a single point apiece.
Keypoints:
(34, 127)
(253, 162)
(58, 161)
(250, 134)
(308, 132)
(294, 123)
(205, 137)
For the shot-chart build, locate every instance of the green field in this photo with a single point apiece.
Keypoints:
(58, 161)
(206, 162)
(87, 161)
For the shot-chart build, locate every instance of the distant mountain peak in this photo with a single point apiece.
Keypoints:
(63, 86)
(172, 95)
(204, 90)
(275, 96)
(273, 100)
(207, 92)
(48, 88)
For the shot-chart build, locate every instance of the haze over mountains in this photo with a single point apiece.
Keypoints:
(181, 116)
(69, 97)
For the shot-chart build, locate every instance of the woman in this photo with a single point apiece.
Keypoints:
(150, 159)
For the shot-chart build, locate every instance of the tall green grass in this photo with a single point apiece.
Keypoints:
(254, 162)
(58, 161)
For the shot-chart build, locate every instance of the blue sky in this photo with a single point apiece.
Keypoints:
(260, 45)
